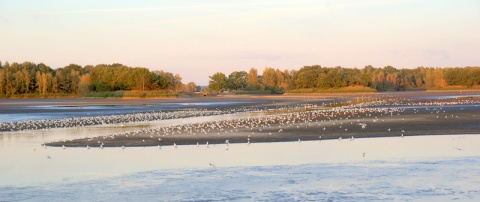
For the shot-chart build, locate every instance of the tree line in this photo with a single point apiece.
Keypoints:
(31, 78)
(40, 79)
(321, 78)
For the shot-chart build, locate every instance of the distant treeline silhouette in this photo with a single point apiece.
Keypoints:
(40, 79)
(317, 79)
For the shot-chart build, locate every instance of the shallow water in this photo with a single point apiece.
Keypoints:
(30, 111)
(446, 179)
(409, 168)
(28, 163)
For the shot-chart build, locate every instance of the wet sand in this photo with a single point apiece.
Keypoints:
(451, 117)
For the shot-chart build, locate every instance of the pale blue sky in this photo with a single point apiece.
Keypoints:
(199, 38)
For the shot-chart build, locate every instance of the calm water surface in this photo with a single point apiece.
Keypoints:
(30, 111)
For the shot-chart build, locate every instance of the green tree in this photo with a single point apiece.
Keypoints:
(237, 80)
(217, 82)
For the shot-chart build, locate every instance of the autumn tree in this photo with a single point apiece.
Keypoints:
(190, 87)
(83, 84)
(269, 77)
(252, 79)
(178, 83)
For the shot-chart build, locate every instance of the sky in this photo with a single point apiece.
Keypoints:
(197, 38)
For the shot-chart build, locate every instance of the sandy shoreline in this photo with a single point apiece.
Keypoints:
(439, 120)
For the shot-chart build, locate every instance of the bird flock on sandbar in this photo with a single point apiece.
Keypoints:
(354, 116)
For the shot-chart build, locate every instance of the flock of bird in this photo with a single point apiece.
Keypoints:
(345, 117)
(101, 120)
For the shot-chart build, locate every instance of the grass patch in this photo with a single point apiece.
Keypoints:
(149, 94)
(257, 92)
(351, 89)
(39, 96)
(113, 94)
(131, 94)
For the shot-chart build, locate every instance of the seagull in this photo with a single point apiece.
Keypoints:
(213, 165)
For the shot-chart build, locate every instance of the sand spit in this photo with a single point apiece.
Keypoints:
(392, 117)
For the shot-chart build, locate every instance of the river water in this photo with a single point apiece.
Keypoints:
(73, 173)
(411, 168)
